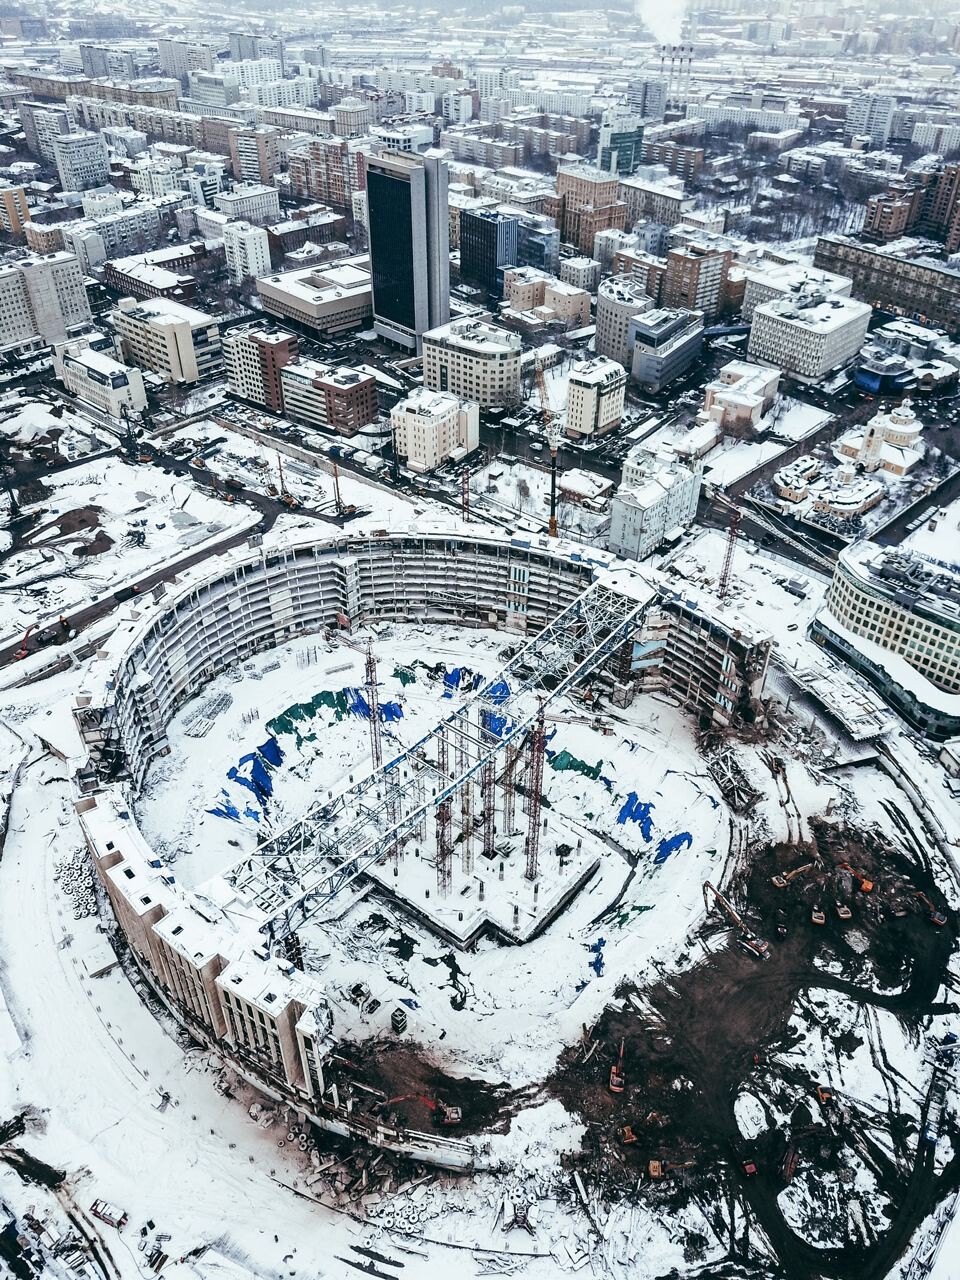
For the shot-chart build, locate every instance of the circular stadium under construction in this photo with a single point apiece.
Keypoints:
(440, 793)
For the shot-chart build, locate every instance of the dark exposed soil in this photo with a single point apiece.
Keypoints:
(694, 1041)
(415, 1091)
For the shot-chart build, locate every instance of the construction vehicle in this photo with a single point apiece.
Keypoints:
(627, 1136)
(824, 1094)
(448, 1115)
(658, 1169)
(936, 916)
(843, 911)
(781, 881)
(746, 938)
(618, 1081)
(818, 916)
(749, 1167)
(289, 500)
(866, 884)
(23, 650)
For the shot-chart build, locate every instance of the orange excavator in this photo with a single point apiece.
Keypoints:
(23, 650)
(866, 884)
(781, 881)
(618, 1080)
(747, 940)
(936, 917)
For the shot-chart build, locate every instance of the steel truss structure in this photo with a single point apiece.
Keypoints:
(298, 871)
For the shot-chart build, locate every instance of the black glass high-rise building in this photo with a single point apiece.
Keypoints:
(408, 230)
(488, 244)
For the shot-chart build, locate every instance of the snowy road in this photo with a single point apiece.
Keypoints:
(93, 1058)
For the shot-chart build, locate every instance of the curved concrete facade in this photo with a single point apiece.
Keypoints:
(270, 1021)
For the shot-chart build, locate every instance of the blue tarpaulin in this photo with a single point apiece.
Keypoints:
(225, 808)
(271, 752)
(596, 950)
(636, 810)
(493, 723)
(499, 693)
(451, 681)
(670, 844)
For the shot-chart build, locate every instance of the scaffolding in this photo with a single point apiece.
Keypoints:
(298, 871)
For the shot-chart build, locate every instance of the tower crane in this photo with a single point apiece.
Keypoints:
(551, 429)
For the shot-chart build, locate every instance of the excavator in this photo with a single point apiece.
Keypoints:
(746, 938)
(658, 1169)
(781, 881)
(23, 650)
(937, 917)
(618, 1080)
(866, 884)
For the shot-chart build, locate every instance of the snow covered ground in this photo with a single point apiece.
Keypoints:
(101, 525)
(524, 491)
(27, 424)
(257, 464)
(637, 795)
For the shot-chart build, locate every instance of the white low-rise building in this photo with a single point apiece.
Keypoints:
(178, 343)
(595, 395)
(473, 360)
(654, 505)
(809, 336)
(96, 378)
(250, 202)
(740, 395)
(430, 427)
(891, 441)
(768, 280)
(330, 298)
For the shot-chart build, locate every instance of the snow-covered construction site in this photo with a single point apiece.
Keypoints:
(474, 901)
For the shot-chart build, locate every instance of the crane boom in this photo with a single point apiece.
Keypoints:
(553, 440)
(724, 906)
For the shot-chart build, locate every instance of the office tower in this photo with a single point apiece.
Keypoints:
(14, 211)
(871, 115)
(253, 356)
(351, 118)
(696, 278)
(253, 153)
(178, 343)
(180, 57)
(648, 98)
(620, 142)
(42, 122)
(41, 296)
(100, 61)
(408, 224)
(247, 47)
(82, 160)
(488, 243)
(247, 251)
